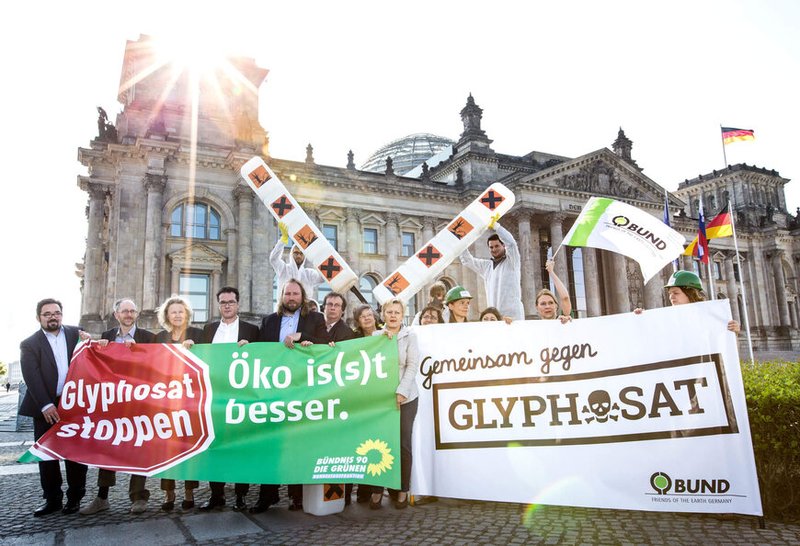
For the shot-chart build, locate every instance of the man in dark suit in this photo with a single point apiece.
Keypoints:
(293, 323)
(334, 306)
(229, 329)
(44, 360)
(126, 313)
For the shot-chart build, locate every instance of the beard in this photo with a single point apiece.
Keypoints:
(291, 306)
(52, 326)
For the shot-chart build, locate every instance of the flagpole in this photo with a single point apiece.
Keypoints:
(711, 278)
(553, 257)
(666, 221)
(724, 155)
(741, 285)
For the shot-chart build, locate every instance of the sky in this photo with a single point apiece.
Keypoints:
(556, 77)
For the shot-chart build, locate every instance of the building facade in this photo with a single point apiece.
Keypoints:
(168, 212)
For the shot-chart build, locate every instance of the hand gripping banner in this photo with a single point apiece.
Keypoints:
(302, 230)
(448, 244)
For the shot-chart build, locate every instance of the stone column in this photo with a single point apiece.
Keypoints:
(154, 184)
(654, 291)
(427, 229)
(93, 287)
(536, 263)
(591, 277)
(759, 285)
(780, 288)
(619, 281)
(556, 236)
(353, 239)
(526, 265)
(216, 278)
(392, 247)
(732, 289)
(175, 279)
(233, 275)
(244, 252)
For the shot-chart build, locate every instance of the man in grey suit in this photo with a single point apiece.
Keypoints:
(44, 359)
(128, 332)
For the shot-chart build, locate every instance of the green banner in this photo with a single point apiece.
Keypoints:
(314, 414)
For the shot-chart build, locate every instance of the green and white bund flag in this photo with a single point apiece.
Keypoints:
(617, 227)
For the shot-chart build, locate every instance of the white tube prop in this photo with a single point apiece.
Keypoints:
(428, 262)
(269, 188)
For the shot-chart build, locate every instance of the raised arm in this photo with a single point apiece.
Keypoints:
(561, 290)
(512, 250)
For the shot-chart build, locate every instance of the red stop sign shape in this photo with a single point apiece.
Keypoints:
(139, 410)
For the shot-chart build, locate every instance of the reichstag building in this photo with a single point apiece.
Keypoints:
(152, 232)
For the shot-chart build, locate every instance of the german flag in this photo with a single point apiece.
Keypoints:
(732, 134)
(719, 227)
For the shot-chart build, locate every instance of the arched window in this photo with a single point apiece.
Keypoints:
(195, 221)
(366, 285)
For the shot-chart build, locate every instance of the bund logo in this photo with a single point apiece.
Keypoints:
(661, 482)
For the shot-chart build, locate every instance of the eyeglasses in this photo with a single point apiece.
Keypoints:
(127, 311)
(334, 305)
(50, 315)
(232, 302)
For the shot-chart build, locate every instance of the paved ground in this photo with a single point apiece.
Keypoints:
(444, 522)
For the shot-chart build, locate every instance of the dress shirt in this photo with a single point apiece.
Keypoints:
(289, 324)
(126, 337)
(227, 333)
(58, 342)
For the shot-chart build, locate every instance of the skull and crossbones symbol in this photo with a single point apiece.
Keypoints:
(600, 408)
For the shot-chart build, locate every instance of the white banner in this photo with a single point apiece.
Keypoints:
(638, 412)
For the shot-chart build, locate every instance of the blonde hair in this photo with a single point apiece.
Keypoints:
(544, 292)
(161, 312)
(393, 301)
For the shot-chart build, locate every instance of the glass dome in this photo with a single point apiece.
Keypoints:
(406, 153)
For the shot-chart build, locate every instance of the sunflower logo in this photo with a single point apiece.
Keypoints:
(374, 449)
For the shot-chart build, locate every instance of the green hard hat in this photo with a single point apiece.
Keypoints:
(457, 293)
(684, 279)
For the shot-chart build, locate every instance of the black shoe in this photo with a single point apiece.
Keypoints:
(212, 503)
(260, 506)
(167, 506)
(187, 504)
(71, 507)
(47, 508)
(296, 505)
(240, 505)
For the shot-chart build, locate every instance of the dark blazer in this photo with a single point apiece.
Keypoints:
(247, 331)
(340, 332)
(40, 372)
(139, 336)
(195, 334)
(311, 328)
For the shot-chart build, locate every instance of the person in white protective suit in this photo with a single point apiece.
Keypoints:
(500, 274)
(293, 267)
